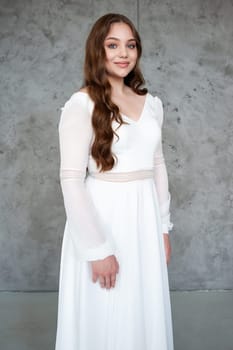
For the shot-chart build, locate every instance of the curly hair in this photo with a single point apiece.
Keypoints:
(99, 88)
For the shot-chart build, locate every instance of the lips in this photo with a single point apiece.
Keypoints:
(122, 64)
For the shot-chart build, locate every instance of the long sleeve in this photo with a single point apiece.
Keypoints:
(75, 134)
(160, 175)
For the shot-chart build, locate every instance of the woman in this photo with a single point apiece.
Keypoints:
(113, 290)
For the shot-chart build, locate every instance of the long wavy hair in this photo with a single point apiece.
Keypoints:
(99, 88)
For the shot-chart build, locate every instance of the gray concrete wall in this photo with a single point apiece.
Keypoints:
(187, 61)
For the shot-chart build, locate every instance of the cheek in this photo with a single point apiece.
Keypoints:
(109, 55)
(134, 55)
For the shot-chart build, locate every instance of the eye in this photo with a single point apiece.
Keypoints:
(112, 46)
(132, 46)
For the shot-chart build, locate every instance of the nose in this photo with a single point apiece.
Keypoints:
(123, 51)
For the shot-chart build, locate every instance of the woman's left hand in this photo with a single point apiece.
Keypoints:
(167, 246)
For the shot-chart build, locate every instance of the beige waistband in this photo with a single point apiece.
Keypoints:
(124, 176)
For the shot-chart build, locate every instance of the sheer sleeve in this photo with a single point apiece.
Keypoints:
(75, 134)
(161, 177)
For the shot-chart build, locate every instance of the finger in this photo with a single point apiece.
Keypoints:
(107, 282)
(168, 259)
(94, 277)
(117, 267)
(113, 280)
(102, 281)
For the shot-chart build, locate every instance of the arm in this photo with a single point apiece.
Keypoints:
(75, 133)
(161, 177)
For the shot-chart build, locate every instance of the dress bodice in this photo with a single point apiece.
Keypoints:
(137, 141)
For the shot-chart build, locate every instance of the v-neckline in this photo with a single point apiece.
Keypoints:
(124, 115)
(141, 114)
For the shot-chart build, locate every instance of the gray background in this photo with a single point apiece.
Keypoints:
(187, 62)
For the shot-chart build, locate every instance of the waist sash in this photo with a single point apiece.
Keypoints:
(123, 176)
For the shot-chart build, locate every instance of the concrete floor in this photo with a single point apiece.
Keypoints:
(202, 320)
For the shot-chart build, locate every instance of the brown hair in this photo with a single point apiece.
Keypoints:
(99, 88)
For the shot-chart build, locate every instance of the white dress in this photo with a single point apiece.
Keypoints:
(124, 212)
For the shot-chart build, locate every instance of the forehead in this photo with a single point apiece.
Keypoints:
(120, 30)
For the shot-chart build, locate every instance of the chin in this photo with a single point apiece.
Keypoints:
(122, 74)
(119, 73)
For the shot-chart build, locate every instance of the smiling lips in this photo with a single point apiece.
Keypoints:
(122, 64)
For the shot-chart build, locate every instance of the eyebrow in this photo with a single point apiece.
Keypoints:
(113, 38)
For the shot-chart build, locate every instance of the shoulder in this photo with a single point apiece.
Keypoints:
(84, 89)
(79, 97)
(155, 100)
(79, 100)
(77, 109)
(157, 107)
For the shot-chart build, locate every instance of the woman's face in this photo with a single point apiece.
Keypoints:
(120, 50)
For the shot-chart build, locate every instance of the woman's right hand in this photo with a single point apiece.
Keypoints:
(105, 270)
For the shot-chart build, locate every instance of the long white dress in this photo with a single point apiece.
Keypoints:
(124, 212)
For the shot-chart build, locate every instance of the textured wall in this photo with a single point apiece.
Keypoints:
(187, 61)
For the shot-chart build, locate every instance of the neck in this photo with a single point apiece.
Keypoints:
(118, 86)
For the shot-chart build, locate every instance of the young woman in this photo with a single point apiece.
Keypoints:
(113, 289)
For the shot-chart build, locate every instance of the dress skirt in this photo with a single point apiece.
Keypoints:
(136, 313)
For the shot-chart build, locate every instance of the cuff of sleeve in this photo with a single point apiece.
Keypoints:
(167, 227)
(97, 253)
